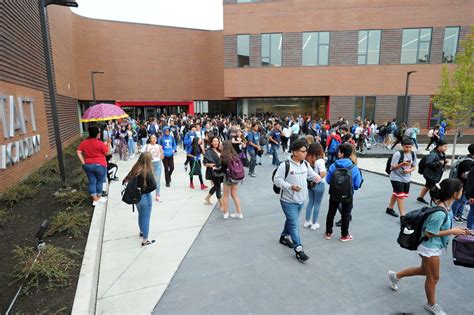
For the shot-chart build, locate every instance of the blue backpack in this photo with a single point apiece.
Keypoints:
(333, 146)
(152, 130)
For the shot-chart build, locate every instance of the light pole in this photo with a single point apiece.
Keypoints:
(49, 69)
(406, 105)
(93, 72)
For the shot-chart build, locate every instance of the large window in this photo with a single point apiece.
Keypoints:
(315, 106)
(243, 50)
(246, 1)
(450, 45)
(271, 50)
(365, 107)
(369, 47)
(416, 45)
(315, 49)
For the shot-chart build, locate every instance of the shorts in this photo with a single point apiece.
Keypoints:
(429, 183)
(400, 189)
(428, 252)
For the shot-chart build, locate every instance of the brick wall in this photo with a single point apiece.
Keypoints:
(343, 48)
(255, 50)
(292, 54)
(341, 106)
(390, 46)
(385, 108)
(437, 41)
(419, 109)
(230, 51)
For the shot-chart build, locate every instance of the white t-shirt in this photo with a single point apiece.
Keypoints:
(286, 132)
(155, 151)
(320, 166)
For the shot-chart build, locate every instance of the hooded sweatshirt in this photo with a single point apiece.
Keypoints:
(344, 163)
(168, 143)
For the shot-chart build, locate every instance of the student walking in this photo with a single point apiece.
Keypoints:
(143, 171)
(212, 161)
(194, 155)
(294, 192)
(231, 186)
(315, 158)
(433, 134)
(343, 178)
(274, 138)
(432, 168)
(402, 165)
(253, 147)
(436, 231)
(156, 151)
(168, 143)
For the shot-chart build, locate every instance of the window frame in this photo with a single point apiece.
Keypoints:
(366, 53)
(457, 43)
(318, 48)
(428, 59)
(237, 55)
(270, 64)
(364, 106)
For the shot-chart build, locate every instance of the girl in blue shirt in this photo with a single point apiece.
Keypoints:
(437, 229)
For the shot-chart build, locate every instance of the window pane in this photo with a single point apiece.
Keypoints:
(324, 38)
(451, 36)
(276, 46)
(369, 107)
(323, 55)
(362, 50)
(265, 49)
(361, 60)
(425, 34)
(244, 1)
(310, 41)
(423, 56)
(359, 105)
(409, 46)
(374, 48)
(243, 50)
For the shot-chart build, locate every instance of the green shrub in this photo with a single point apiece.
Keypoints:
(78, 179)
(71, 221)
(3, 217)
(72, 198)
(16, 194)
(38, 179)
(51, 270)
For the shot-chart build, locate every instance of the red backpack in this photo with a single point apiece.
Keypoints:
(235, 170)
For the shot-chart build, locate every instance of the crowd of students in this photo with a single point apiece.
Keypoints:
(320, 152)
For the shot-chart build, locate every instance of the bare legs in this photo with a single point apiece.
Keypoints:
(231, 190)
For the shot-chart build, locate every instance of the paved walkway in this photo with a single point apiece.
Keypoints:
(238, 267)
(132, 279)
(379, 150)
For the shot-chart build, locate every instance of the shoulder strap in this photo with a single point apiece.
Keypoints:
(400, 159)
(413, 157)
(287, 168)
(351, 167)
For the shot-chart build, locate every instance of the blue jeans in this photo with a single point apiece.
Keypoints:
(144, 140)
(292, 212)
(269, 148)
(253, 161)
(96, 174)
(331, 159)
(314, 203)
(157, 167)
(275, 159)
(144, 214)
(131, 147)
(458, 206)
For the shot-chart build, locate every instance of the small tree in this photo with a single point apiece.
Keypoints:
(455, 98)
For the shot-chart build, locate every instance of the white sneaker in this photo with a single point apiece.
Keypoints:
(237, 215)
(315, 226)
(435, 309)
(392, 276)
(307, 224)
(100, 201)
(225, 216)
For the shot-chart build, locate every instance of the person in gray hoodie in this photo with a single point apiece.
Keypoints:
(294, 192)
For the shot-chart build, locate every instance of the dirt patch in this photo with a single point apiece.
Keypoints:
(19, 229)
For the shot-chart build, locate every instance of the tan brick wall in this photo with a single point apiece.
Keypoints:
(292, 49)
(343, 48)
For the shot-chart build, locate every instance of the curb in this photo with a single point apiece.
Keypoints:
(87, 285)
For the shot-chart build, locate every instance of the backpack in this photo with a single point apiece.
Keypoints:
(132, 193)
(421, 165)
(453, 173)
(277, 189)
(382, 130)
(333, 146)
(411, 227)
(388, 166)
(463, 251)
(152, 129)
(400, 132)
(235, 170)
(263, 140)
(409, 132)
(341, 187)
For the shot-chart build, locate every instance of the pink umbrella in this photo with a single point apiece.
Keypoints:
(101, 112)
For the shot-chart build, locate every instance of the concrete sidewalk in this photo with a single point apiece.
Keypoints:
(132, 279)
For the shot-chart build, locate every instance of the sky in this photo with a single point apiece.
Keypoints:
(201, 14)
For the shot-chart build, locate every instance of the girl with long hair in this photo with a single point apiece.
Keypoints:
(156, 151)
(436, 231)
(194, 154)
(212, 161)
(315, 158)
(230, 188)
(143, 171)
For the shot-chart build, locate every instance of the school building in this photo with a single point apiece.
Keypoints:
(327, 58)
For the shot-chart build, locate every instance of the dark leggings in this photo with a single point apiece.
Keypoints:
(346, 209)
(168, 163)
(200, 179)
(432, 140)
(216, 188)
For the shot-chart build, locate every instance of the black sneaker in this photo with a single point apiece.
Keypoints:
(285, 240)
(391, 212)
(167, 184)
(402, 217)
(300, 255)
(339, 223)
(420, 199)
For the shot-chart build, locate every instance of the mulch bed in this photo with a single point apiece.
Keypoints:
(25, 218)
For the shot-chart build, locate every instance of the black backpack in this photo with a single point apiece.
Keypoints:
(277, 189)
(132, 193)
(388, 166)
(341, 187)
(421, 165)
(400, 132)
(411, 227)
